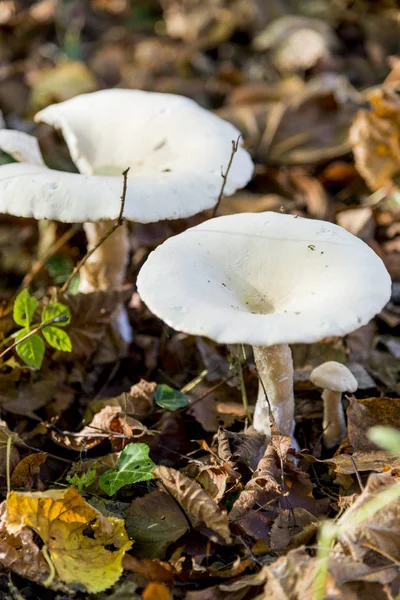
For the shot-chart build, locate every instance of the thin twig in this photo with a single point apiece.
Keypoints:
(235, 148)
(39, 264)
(59, 319)
(120, 221)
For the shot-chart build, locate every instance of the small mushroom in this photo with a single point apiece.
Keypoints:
(174, 148)
(252, 279)
(335, 379)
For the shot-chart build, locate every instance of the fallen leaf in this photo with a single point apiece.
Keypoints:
(62, 82)
(22, 555)
(154, 522)
(292, 528)
(151, 570)
(74, 533)
(133, 465)
(368, 412)
(156, 591)
(136, 403)
(346, 464)
(28, 470)
(375, 139)
(198, 505)
(214, 481)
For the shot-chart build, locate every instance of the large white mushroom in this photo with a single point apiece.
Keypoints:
(268, 280)
(174, 148)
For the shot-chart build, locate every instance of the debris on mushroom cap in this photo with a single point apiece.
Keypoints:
(264, 279)
(175, 150)
(334, 376)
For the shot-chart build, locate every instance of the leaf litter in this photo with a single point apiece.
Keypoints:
(135, 473)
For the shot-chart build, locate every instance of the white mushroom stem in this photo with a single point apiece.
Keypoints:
(334, 424)
(106, 267)
(275, 369)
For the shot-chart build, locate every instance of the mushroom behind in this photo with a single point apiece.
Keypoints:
(268, 280)
(174, 148)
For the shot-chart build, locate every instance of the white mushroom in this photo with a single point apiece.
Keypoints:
(267, 280)
(335, 379)
(174, 148)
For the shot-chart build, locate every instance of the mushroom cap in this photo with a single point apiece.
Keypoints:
(264, 279)
(175, 150)
(334, 376)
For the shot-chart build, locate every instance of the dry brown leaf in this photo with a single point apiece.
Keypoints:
(246, 447)
(382, 530)
(59, 83)
(27, 471)
(375, 460)
(156, 591)
(136, 403)
(214, 481)
(150, 570)
(154, 522)
(263, 483)
(214, 408)
(292, 528)
(375, 139)
(198, 505)
(74, 533)
(365, 413)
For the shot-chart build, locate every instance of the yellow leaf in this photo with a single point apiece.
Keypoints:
(85, 547)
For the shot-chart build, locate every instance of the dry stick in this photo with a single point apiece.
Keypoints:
(59, 319)
(235, 148)
(120, 221)
(37, 266)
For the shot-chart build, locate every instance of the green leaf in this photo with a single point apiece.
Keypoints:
(24, 308)
(168, 398)
(56, 309)
(134, 465)
(57, 338)
(81, 482)
(387, 438)
(31, 350)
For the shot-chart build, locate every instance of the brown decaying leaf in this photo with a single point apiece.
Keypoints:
(27, 471)
(150, 570)
(136, 403)
(264, 481)
(365, 413)
(371, 460)
(382, 530)
(90, 316)
(292, 528)
(375, 139)
(246, 447)
(214, 481)
(156, 591)
(154, 522)
(198, 505)
(212, 413)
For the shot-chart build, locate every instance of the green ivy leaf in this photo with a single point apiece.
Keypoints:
(31, 350)
(57, 338)
(134, 465)
(24, 308)
(56, 309)
(168, 398)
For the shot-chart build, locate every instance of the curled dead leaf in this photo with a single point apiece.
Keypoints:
(198, 505)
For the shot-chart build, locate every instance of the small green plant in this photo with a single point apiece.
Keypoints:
(134, 465)
(81, 482)
(168, 398)
(54, 316)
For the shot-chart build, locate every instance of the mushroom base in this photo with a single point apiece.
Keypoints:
(334, 424)
(106, 268)
(275, 369)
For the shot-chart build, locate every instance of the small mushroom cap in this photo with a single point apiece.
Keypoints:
(175, 150)
(334, 376)
(264, 279)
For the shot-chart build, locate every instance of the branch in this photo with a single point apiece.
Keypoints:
(235, 148)
(120, 221)
(59, 319)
